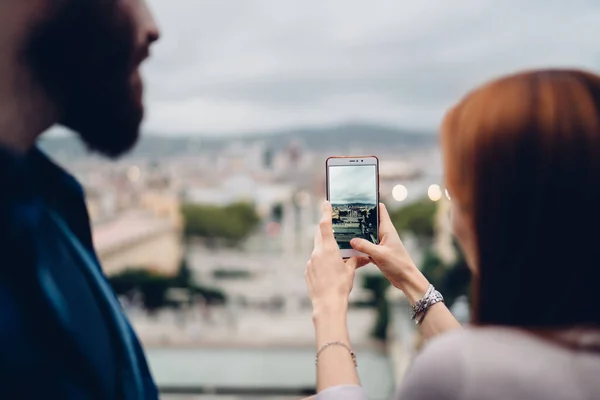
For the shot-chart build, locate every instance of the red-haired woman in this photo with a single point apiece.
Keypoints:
(522, 166)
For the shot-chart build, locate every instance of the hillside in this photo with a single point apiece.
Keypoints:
(367, 137)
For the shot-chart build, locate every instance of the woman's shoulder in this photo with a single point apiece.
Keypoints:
(469, 345)
(453, 344)
(469, 362)
(442, 366)
(437, 371)
(475, 337)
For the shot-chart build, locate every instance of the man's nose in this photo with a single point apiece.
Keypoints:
(151, 30)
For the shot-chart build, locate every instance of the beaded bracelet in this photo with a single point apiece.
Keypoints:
(342, 344)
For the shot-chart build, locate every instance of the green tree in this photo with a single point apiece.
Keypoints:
(456, 281)
(154, 291)
(127, 282)
(232, 223)
(432, 267)
(152, 286)
(212, 296)
(232, 274)
(184, 277)
(378, 286)
(416, 218)
(245, 213)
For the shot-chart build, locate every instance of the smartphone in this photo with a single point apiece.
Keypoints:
(353, 191)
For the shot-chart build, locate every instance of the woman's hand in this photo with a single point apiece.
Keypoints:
(329, 279)
(393, 260)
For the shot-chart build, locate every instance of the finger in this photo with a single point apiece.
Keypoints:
(352, 262)
(326, 224)
(362, 261)
(359, 262)
(385, 222)
(366, 247)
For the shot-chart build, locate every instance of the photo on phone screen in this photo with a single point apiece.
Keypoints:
(353, 193)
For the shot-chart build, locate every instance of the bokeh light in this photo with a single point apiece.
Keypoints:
(434, 192)
(133, 173)
(400, 192)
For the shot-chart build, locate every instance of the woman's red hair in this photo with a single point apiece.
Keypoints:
(522, 157)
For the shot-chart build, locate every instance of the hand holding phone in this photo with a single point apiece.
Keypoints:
(353, 191)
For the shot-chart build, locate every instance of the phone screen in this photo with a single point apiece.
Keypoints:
(353, 193)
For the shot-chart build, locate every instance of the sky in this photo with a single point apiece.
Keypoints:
(352, 185)
(236, 66)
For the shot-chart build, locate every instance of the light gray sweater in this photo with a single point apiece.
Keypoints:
(493, 364)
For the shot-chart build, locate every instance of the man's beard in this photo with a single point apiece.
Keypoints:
(84, 57)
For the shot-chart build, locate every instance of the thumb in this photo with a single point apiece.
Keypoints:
(364, 246)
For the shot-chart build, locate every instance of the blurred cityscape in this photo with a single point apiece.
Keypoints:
(232, 317)
(204, 229)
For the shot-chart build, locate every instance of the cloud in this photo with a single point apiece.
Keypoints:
(237, 66)
(352, 185)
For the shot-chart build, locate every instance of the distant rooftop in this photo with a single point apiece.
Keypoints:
(127, 229)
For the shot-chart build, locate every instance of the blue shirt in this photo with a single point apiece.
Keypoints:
(63, 334)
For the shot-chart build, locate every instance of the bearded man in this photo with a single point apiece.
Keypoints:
(76, 63)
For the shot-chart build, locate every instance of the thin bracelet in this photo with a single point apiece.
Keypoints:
(342, 344)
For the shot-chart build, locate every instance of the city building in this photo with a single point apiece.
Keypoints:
(139, 239)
